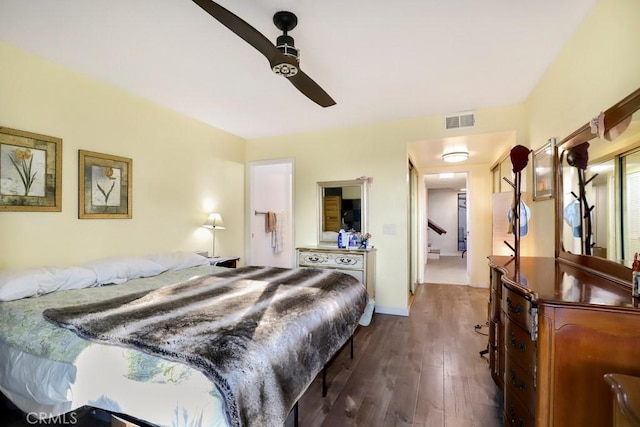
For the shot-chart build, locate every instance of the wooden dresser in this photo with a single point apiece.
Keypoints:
(359, 263)
(626, 399)
(555, 331)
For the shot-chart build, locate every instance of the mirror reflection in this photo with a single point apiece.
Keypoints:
(342, 206)
(604, 221)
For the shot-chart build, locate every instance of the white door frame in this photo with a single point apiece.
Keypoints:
(251, 208)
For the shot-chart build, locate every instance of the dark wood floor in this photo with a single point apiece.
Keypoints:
(421, 370)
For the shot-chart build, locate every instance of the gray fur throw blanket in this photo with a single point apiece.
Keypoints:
(261, 334)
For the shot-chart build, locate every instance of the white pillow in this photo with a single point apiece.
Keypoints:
(119, 270)
(73, 277)
(179, 260)
(17, 284)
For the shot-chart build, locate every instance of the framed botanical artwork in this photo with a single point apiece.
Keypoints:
(104, 188)
(30, 171)
(543, 171)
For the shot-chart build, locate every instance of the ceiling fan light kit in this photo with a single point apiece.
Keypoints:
(284, 57)
(288, 67)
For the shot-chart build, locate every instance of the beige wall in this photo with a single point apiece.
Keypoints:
(181, 169)
(380, 151)
(344, 155)
(599, 66)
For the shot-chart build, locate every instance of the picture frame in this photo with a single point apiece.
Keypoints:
(543, 171)
(104, 186)
(30, 171)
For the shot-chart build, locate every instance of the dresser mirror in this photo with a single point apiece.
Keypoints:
(342, 204)
(599, 227)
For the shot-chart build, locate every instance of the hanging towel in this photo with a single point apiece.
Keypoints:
(277, 234)
(270, 222)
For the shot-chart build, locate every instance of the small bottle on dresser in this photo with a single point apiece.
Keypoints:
(342, 239)
(635, 277)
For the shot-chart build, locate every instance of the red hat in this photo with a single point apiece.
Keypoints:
(578, 156)
(519, 157)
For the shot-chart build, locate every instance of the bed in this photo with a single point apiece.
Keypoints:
(53, 365)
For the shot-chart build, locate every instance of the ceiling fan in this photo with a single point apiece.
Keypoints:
(283, 57)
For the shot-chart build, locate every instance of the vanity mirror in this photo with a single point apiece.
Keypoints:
(598, 206)
(342, 204)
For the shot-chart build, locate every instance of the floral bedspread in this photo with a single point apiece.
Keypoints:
(23, 327)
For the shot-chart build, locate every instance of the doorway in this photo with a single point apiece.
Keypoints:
(270, 198)
(413, 229)
(447, 233)
(462, 223)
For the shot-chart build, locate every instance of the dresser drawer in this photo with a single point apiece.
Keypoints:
(342, 260)
(515, 412)
(496, 353)
(519, 346)
(517, 308)
(520, 384)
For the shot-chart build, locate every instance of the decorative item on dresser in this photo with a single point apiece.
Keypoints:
(359, 263)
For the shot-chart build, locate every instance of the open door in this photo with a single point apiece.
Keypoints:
(271, 198)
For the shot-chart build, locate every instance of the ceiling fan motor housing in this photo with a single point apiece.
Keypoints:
(285, 44)
(286, 21)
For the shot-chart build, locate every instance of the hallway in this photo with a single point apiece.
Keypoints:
(447, 270)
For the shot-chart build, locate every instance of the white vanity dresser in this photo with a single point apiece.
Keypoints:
(359, 263)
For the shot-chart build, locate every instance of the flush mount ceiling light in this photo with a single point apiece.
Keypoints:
(455, 156)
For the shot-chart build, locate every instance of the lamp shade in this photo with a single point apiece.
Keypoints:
(455, 156)
(214, 221)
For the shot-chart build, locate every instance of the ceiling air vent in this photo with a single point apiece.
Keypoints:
(462, 120)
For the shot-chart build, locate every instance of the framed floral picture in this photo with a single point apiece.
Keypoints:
(104, 188)
(543, 171)
(30, 171)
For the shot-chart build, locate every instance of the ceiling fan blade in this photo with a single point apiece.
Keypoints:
(252, 36)
(241, 28)
(311, 89)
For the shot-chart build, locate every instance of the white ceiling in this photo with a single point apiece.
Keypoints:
(456, 181)
(380, 60)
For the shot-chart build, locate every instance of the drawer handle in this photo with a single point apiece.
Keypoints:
(313, 259)
(346, 261)
(516, 310)
(520, 385)
(515, 344)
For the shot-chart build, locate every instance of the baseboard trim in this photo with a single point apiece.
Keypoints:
(393, 311)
